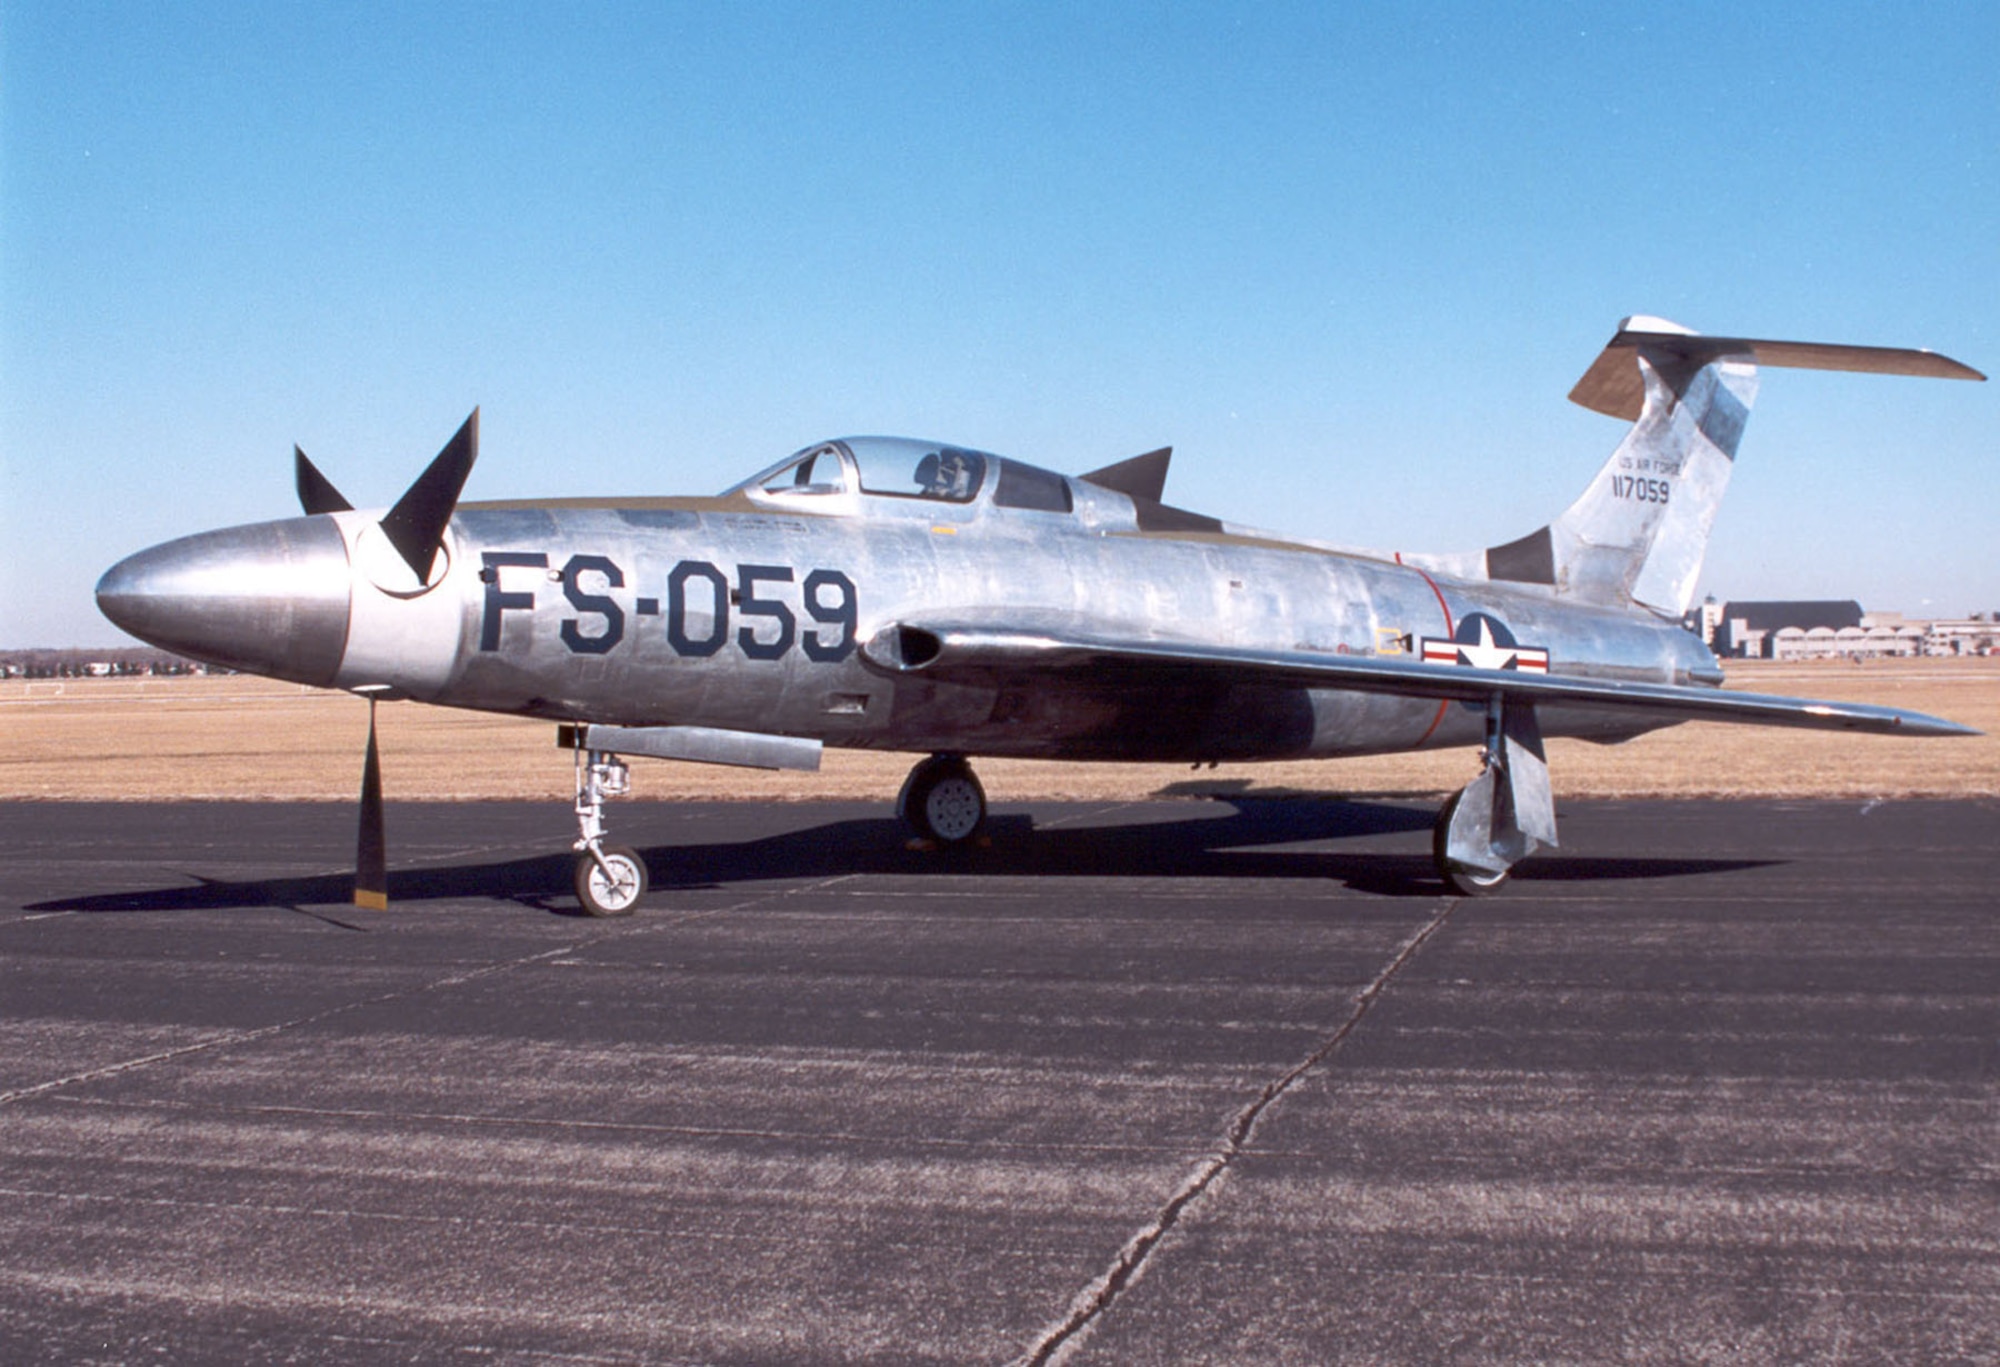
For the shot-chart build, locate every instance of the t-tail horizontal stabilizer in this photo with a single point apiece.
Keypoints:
(1640, 530)
(1612, 385)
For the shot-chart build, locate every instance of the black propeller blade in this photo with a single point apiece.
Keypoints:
(371, 868)
(415, 526)
(316, 491)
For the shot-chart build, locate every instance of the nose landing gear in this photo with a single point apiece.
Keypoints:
(610, 879)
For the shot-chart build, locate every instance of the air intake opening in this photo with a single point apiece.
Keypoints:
(916, 647)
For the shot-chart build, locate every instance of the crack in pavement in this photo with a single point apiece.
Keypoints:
(1096, 1299)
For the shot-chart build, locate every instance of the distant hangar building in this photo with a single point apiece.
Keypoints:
(1751, 630)
(1817, 629)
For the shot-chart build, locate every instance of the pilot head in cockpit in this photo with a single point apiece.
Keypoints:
(946, 475)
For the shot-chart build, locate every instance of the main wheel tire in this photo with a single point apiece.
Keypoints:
(942, 801)
(1459, 879)
(616, 893)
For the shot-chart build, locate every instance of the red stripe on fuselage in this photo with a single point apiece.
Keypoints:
(1449, 631)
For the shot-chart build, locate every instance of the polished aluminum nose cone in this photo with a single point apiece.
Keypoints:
(270, 598)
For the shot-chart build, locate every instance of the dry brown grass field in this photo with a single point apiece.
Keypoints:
(244, 738)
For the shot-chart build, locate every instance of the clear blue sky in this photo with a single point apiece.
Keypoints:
(1347, 259)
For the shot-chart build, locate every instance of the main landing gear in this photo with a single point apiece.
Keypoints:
(943, 803)
(1482, 831)
(610, 879)
(1464, 879)
(1501, 817)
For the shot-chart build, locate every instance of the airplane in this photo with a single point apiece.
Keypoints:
(893, 594)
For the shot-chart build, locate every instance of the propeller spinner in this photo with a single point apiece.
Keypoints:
(277, 598)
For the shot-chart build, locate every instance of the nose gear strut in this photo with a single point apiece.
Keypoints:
(610, 879)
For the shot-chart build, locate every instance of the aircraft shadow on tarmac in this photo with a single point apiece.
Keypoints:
(1238, 845)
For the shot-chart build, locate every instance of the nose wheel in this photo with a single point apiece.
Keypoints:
(942, 801)
(610, 879)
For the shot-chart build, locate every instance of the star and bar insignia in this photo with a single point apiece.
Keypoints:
(1484, 642)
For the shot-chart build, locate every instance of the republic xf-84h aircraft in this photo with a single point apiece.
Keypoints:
(915, 596)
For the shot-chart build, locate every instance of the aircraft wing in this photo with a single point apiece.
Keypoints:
(971, 652)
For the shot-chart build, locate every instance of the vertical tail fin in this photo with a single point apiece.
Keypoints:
(1639, 531)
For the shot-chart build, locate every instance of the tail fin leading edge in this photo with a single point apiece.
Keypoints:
(1638, 533)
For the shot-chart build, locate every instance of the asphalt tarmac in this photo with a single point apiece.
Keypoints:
(1227, 1081)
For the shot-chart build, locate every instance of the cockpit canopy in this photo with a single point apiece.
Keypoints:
(906, 468)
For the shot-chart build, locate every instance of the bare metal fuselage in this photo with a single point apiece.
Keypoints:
(721, 613)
